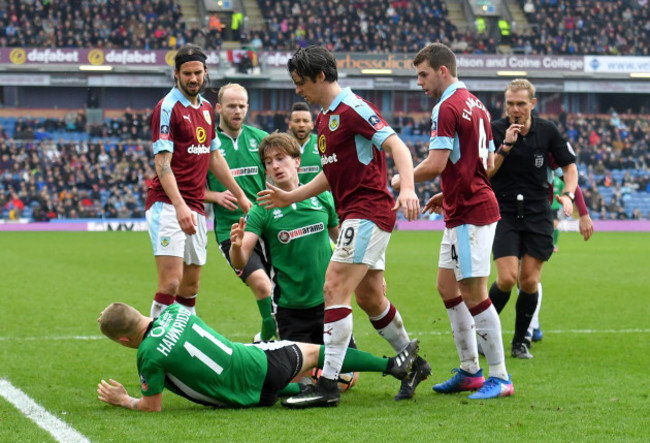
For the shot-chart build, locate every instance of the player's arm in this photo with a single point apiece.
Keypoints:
(407, 199)
(333, 233)
(242, 244)
(184, 214)
(274, 197)
(219, 167)
(510, 138)
(585, 224)
(115, 394)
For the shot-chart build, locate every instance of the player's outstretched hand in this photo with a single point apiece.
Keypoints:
(113, 392)
(410, 204)
(226, 199)
(586, 226)
(237, 232)
(273, 197)
(434, 204)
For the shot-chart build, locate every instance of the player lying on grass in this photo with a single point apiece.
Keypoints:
(180, 352)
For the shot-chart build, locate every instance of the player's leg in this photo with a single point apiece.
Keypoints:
(386, 319)
(170, 274)
(168, 242)
(506, 252)
(260, 284)
(535, 330)
(361, 361)
(469, 376)
(340, 281)
(530, 275)
(194, 259)
(256, 276)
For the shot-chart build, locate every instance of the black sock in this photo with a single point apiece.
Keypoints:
(526, 304)
(499, 298)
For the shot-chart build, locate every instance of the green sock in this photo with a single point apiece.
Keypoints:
(268, 322)
(556, 235)
(290, 389)
(358, 361)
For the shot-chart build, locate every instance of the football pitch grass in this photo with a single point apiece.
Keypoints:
(587, 382)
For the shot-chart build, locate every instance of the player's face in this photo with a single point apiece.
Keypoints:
(233, 109)
(519, 106)
(301, 125)
(307, 88)
(281, 167)
(190, 77)
(430, 80)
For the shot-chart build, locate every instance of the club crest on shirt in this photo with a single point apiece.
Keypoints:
(375, 122)
(254, 147)
(434, 127)
(164, 132)
(143, 383)
(539, 160)
(201, 136)
(335, 122)
(206, 116)
(277, 213)
(322, 147)
(164, 241)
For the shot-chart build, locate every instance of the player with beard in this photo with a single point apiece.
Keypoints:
(185, 148)
(301, 125)
(239, 146)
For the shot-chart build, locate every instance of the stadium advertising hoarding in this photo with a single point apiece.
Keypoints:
(399, 64)
(93, 57)
(617, 65)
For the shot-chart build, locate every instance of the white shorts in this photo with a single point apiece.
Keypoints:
(467, 250)
(167, 237)
(361, 241)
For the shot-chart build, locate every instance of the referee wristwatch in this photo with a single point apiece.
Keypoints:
(571, 195)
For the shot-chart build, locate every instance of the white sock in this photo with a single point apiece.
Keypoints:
(462, 326)
(488, 331)
(534, 322)
(336, 337)
(156, 309)
(394, 332)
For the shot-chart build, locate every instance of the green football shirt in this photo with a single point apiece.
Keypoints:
(558, 189)
(298, 239)
(310, 164)
(183, 354)
(247, 169)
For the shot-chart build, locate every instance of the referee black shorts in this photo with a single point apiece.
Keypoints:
(256, 261)
(532, 235)
(284, 363)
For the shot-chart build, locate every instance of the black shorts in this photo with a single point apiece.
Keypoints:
(303, 325)
(284, 363)
(532, 235)
(256, 261)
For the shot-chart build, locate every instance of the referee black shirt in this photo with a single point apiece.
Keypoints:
(526, 169)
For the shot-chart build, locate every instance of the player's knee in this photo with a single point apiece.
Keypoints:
(170, 285)
(528, 284)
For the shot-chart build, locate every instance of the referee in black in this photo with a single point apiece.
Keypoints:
(520, 178)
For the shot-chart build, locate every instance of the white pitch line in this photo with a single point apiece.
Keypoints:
(360, 334)
(60, 430)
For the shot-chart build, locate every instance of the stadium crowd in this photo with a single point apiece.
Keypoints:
(106, 174)
(557, 26)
